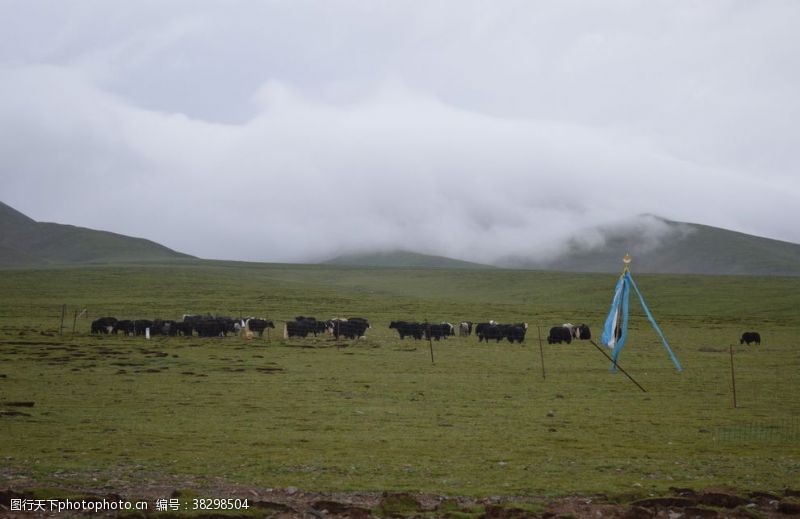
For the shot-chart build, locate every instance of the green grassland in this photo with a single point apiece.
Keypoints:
(377, 414)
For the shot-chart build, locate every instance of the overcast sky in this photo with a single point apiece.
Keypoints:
(295, 130)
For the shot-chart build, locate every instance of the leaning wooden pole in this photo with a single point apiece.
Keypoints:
(616, 365)
(541, 350)
(733, 377)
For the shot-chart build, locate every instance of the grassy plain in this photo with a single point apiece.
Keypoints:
(376, 414)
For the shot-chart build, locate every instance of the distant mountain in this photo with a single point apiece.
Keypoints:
(402, 259)
(658, 245)
(25, 242)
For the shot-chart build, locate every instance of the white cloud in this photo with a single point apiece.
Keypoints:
(282, 133)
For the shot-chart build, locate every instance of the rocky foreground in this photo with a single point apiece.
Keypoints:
(163, 501)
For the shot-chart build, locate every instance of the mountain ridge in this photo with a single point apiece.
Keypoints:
(657, 245)
(25, 242)
(661, 246)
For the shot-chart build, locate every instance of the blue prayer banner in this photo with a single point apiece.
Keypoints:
(615, 331)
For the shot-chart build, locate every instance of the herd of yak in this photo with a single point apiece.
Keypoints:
(202, 325)
(487, 331)
(350, 328)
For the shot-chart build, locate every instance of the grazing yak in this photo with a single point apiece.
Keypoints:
(516, 332)
(312, 325)
(583, 332)
(492, 330)
(125, 326)
(438, 331)
(465, 328)
(258, 325)
(181, 328)
(405, 328)
(361, 321)
(299, 328)
(302, 326)
(351, 328)
(164, 327)
(210, 326)
(749, 337)
(420, 330)
(104, 325)
(578, 331)
(140, 325)
(559, 334)
(567, 331)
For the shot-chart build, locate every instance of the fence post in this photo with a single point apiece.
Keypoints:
(541, 351)
(430, 339)
(61, 327)
(733, 377)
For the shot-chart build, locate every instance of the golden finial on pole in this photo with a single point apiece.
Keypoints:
(627, 261)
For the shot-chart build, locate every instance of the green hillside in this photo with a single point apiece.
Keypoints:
(680, 248)
(25, 242)
(657, 245)
(401, 259)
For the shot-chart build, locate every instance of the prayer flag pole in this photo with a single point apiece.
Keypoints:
(615, 331)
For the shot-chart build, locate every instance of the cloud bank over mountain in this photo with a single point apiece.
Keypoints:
(288, 132)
